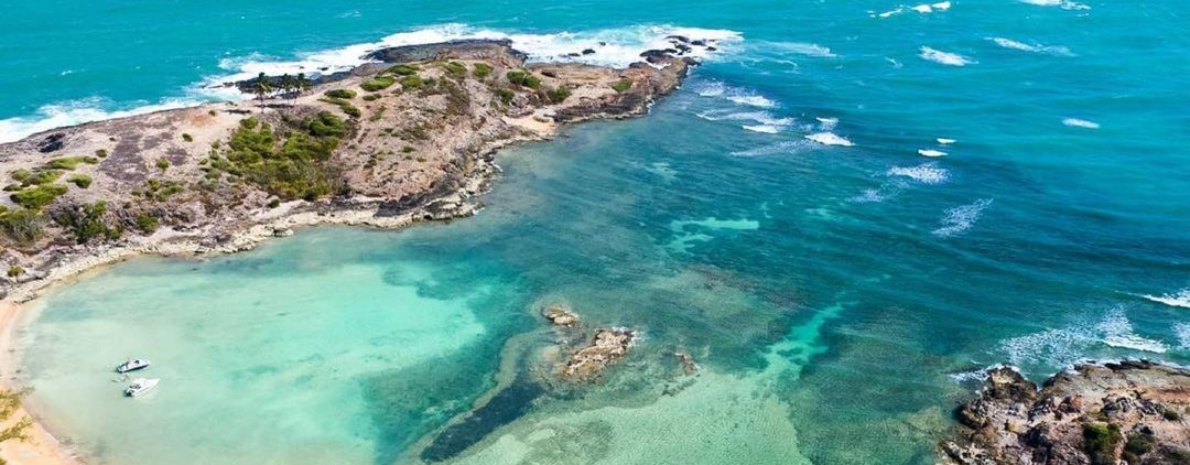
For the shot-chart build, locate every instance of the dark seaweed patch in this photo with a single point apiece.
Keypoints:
(506, 406)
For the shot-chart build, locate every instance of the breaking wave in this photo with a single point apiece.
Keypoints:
(1034, 48)
(1066, 346)
(829, 138)
(1063, 4)
(925, 173)
(780, 148)
(609, 47)
(738, 95)
(944, 58)
(1181, 299)
(1080, 123)
(960, 219)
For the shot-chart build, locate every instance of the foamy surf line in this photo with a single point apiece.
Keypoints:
(618, 47)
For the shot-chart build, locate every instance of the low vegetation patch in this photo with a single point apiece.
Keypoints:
(523, 78)
(81, 180)
(291, 168)
(70, 163)
(558, 95)
(411, 82)
(404, 70)
(455, 69)
(378, 83)
(86, 222)
(340, 93)
(347, 107)
(481, 71)
(37, 197)
(1100, 440)
(622, 85)
(21, 227)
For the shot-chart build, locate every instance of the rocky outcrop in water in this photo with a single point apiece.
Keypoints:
(589, 363)
(560, 315)
(1133, 412)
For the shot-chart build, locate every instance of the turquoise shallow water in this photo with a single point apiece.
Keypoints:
(838, 297)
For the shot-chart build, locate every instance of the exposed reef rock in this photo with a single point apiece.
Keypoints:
(589, 363)
(560, 315)
(1129, 412)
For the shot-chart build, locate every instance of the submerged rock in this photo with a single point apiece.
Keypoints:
(560, 315)
(1129, 412)
(589, 363)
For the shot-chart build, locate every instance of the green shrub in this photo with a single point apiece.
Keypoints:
(506, 95)
(187, 137)
(404, 70)
(558, 95)
(36, 197)
(1100, 440)
(344, 105)
(524, 79)
(455, 69)
(340, 93)
(21, 226)
(481, 71)
(161, 190)
(372, 97)
(622, 85)
(101, 153)
(146, 223)
(1137, 445)
(411, 82)
(1171, 415)
(407, 149)
(14, 271)
(86, 222)
(326, 124)
(21, 175)
(81, 180)
(162, 164)
(274, 203)
(378, 83)
(42, 177)
(69, 163)
(13, 187)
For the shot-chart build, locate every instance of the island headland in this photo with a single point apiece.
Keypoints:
(408, 137)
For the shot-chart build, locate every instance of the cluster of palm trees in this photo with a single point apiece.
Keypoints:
(289, 86)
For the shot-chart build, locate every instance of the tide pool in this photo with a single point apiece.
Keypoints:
(774, 218)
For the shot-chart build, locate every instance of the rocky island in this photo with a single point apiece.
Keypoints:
(1133, 412)
(405, 138)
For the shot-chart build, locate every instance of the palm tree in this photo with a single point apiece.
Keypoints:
(288, 85)
(303, 84)
(262, 88)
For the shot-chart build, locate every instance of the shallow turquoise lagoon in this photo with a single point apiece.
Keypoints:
(774, 218)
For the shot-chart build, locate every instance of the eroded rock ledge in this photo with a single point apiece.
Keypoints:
(410, 138)
(1133, 412)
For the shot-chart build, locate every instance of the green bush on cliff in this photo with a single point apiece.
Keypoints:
(558, 95)
(14, 271)
(344, 105)
(411, 82)
(37, 197)
(86, 222)
(340, 93)
(622, 85)
(455, 69)
(81, 180)
(20, 175)
(1100, 440)
(523, 78)
(21, 227)
(70, 163)
(42, 177)
(326, 124)
(378, 83)
(146, 223)
(404, 70)
(289, 169)
(481, 71)
(505, 95)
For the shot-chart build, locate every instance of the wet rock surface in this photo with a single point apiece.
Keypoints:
(1133, 412)
(590, 362)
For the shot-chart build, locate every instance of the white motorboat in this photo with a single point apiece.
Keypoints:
(132, 364)
(140, 386)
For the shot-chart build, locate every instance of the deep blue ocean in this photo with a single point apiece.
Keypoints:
(844, 215)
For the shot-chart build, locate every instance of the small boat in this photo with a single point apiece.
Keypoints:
(140, 386)
(132, 364)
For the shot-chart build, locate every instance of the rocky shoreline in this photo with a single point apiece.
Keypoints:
(421, 148)
(1134, 412)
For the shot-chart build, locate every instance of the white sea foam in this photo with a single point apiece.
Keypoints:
(827, 124)
(1034, 48)
(923, 8)
(946, 141)
(1066, 346)
(1063, 4)
(77, 112)
(612, 47)
(925, 173)
(1182, 330)
(802, 48)
(885, 192)
(737, 95)
(944, 58)
(762, 128)
(829, 138)
(780, 148)
(768, 123)
(962, 218)
(931, 153)
(1180, 299)
(978, 375)
(1080, 123)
